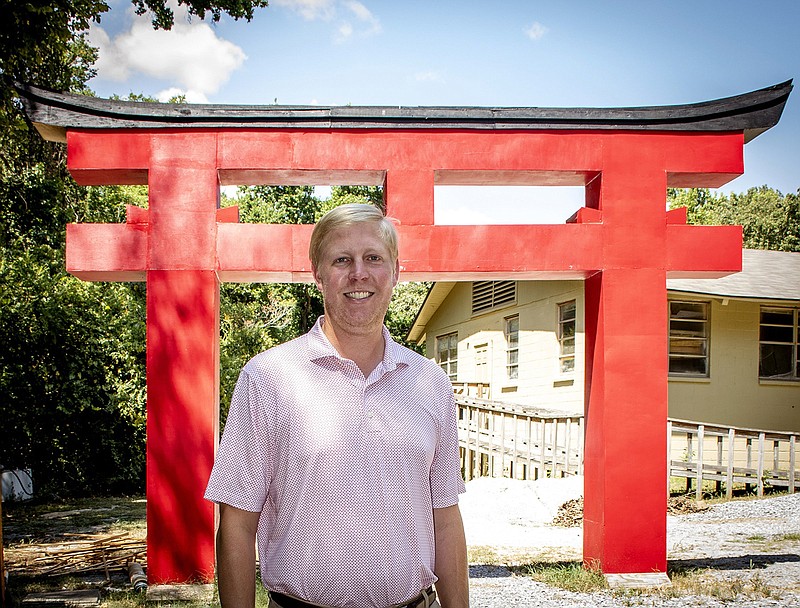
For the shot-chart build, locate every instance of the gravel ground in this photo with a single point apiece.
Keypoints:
(753, 542)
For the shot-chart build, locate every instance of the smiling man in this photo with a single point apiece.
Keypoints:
(340, 451)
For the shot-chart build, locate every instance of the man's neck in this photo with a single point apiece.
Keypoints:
(365, 350)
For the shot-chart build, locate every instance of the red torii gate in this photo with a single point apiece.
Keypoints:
(622, 243)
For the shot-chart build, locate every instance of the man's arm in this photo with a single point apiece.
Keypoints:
(236, 557)
(451, 558)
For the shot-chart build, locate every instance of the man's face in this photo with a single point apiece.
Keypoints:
(356, 276)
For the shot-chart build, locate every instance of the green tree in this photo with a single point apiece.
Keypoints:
(403, 308)
(71, 353)
(72, 361)
(37, 34)
(769, 219)
(72, 376)
(164, 17)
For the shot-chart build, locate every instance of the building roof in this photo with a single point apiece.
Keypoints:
(765, 275)
(434, 298)
(53, 113)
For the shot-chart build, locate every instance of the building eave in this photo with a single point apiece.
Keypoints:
(54, 113)
(433, 299)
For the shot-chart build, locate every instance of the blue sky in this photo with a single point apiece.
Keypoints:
(502, 53)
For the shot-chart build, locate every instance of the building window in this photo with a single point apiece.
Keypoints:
(447, 354)
(566, 337)
(779, 338)
(688, 338)
(512, 347)
(491, 294)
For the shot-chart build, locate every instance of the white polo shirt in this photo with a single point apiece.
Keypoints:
(344, 471)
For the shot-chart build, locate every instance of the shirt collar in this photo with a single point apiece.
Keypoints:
(319, 347)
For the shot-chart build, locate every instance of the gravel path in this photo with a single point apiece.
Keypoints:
(755, 543)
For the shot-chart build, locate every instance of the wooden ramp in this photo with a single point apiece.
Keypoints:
(505, 440)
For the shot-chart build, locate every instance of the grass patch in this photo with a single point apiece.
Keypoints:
(707, 582)
(26, 522)
(571, 576)
(702, 582)
(482, 554)
(509, 557)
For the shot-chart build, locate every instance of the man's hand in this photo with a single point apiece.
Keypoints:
(236, 557)
(451, 558)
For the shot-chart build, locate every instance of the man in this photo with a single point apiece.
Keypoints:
(340, 451)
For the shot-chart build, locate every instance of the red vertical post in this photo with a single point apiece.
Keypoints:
(182, 356)
(626, 362)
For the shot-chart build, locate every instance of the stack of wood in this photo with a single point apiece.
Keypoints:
(685, 503)
(86, 553)
(570, 514)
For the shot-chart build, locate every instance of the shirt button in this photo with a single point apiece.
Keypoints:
(370, 414)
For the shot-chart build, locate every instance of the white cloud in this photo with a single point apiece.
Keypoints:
(367, 24)
(191, 96)
(536, 31)
(190, 56)
(309, 9)
(353, 17)
(365, 16)
(344, 32)
(429, 76)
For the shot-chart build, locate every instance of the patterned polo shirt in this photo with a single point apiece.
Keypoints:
(345, 471)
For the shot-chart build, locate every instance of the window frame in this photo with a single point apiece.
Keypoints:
(794, 373)
(512, 352)
(450, 364)
(674, 335)
(561, 338)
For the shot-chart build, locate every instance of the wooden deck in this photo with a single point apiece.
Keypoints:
(730, 455)
(504, 440)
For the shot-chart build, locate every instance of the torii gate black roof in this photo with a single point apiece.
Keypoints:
(53, 113)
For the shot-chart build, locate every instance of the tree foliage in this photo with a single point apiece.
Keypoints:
(37, 33)
(164, 17)
(72, 360)
(72, 353)
(769, 219)
(72, 380)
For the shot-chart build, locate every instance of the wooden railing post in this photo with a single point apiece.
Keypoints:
(731, 458)
(699, 476)
(760, 472)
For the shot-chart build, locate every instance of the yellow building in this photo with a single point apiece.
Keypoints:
(733, 354)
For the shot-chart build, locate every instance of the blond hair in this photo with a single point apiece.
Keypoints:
(348, 215)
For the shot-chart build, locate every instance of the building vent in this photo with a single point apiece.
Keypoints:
(491, 294)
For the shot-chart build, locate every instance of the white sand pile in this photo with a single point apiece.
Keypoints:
(514, 513)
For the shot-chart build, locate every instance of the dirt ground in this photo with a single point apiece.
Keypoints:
(507, 523)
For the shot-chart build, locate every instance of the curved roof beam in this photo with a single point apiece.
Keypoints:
(53, 113)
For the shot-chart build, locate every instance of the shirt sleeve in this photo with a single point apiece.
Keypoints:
(242, 469)
(446, 480)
